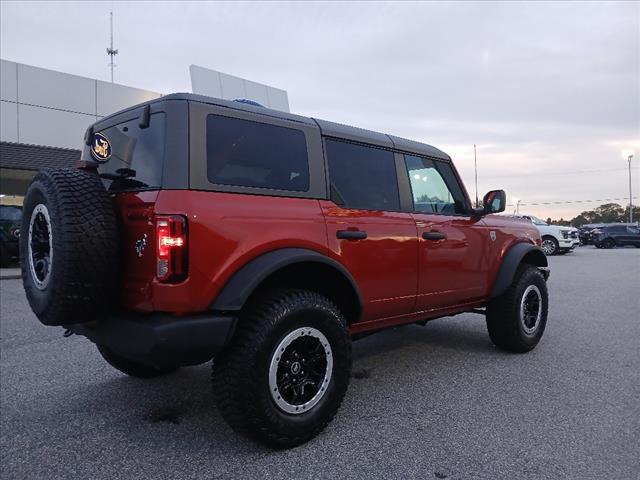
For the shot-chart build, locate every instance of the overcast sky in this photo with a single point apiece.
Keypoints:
(550, 92)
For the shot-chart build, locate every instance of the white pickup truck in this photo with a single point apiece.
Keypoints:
(556, 239)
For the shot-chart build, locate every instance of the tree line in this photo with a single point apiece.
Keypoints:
(606, 213)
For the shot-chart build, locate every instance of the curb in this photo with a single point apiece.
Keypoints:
(10, 274)
(10, 277)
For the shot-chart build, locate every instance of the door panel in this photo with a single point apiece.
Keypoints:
(454, 269)
(384, 263)
(453, 248)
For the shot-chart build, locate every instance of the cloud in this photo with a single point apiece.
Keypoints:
(550, 92)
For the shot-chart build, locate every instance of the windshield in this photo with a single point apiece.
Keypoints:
(536, 220)
(134, 156)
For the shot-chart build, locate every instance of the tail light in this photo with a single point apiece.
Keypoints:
(171, 253)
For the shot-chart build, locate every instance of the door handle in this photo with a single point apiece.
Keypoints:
(434, 235)
(351, 234)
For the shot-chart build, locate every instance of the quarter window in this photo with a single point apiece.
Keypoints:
(253, 154)
(434, 187)
(362, 177)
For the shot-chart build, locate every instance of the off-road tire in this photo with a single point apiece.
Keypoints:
(504, 322)
(130, 367)
(240, 375)
(82, 281)
(550, 245)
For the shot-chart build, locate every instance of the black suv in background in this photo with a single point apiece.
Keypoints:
(585, 233)
(10, 218)
(609, 236)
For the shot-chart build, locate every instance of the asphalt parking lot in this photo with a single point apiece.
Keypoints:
(425, 402)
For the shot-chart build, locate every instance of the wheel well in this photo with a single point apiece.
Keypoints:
(548, 235)
(320, 278)
(536, 258)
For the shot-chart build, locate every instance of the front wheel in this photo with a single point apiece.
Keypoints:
(516, 320)
(549, 246)
(284, 376)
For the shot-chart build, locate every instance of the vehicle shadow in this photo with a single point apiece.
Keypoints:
(466, 333)
(179, 410)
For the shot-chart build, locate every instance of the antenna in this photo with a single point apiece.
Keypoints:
(111, 51)
(475, 164)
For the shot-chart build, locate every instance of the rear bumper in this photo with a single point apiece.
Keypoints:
(161, 340)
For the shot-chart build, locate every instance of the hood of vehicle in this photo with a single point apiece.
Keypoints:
(554, 228)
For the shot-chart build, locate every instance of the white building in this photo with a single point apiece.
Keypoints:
(44, 114)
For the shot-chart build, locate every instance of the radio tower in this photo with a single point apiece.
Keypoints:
(110, 50)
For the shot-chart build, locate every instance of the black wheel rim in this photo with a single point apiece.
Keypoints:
(531, 309)
(300, 370)
(40, 246)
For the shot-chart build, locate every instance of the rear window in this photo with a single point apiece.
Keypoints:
(136, 154)
(252, 154)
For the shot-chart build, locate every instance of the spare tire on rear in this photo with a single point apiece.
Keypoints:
(68, 247)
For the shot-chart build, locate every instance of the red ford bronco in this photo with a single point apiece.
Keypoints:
(195, 229)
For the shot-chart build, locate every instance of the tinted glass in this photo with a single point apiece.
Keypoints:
(252, 154)
(633, 230)
(362, 177)
(617, 229)
(138, 152)
(434, 187)
(10, 213)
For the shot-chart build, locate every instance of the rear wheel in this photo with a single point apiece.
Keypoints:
(549, 245)
(285, 374)
(516, 320)
(130, 367)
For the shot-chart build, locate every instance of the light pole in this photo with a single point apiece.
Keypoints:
(517, 202)
(630, 197)
(475, 165)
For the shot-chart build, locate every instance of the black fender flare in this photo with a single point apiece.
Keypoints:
(245, 280)
(512, 261)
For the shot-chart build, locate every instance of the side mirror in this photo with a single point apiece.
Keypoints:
(494, 201)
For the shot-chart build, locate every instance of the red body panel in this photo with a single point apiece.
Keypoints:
(453, 270)
(225, 231)
(401, 277)
(136, 211)
(384, 265)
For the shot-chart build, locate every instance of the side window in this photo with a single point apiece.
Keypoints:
(362, 177)
(633, 230)
(434, 186)
(253, 154)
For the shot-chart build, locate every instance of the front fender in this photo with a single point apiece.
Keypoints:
(511, 261)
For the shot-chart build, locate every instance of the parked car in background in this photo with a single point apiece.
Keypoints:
(617, 235)
(10, 218)
(556, 239)
(585, 233)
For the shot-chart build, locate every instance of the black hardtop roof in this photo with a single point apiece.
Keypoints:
(327, 128)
